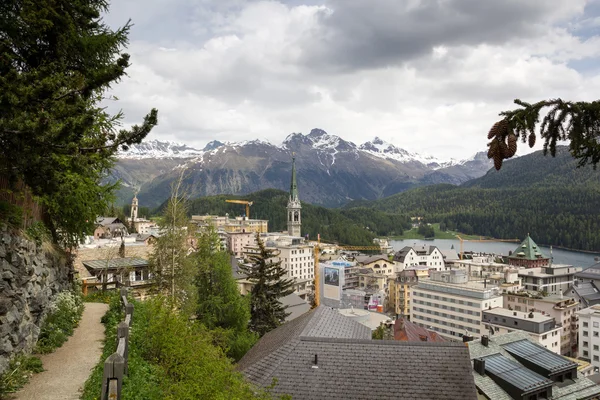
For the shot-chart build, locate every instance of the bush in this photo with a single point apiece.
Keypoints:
(99, 296)
(18, 373)
(63, 316)
(38, 233)
(11, 214)
(169, 358)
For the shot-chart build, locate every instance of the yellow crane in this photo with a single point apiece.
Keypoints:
(481, 240)
(317, 253)
(246, 202)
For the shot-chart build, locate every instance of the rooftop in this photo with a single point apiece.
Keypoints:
(407, 331)
(528, 250)
(531, 316)
(115, 263)
(476, 289)
(324, 355)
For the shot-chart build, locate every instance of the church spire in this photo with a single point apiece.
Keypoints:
(294, 185)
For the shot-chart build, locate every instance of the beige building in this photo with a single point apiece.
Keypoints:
(238, 241)
(232, 225)
(562, 309)
(553, 279)
(399, 290)
(451, 305)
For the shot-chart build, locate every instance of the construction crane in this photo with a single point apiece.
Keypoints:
(317, 253)
(481, 240)
(247, 203)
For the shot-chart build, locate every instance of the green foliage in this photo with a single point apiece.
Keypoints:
(11, 214)
(426, 230)
(221, 307)
(560, 216)
(169, 262)
(352, 226)
(269, 285)
(18, 373)
(170, 357)
(58, 60)
(98, 296)
(38, 233)
(64, 315)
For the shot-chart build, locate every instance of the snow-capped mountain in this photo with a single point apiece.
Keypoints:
(160, 149)
(331, 170)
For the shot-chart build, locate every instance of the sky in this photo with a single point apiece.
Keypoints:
(429, 76)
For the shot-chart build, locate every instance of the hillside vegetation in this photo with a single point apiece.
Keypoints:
(356, 226)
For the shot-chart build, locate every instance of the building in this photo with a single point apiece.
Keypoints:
(528, 255)
(406, 331)
(451, 305)
(115, 272)
(325, 355)
(552, 279)
(110, 228)
(294, 208)
(429, 257)
(399, 290)
(589, 335)
(541, 328)
(231, 225)
(591, 274)
(562, 308)
(238, 241)
(512, 366)
(586, 293)
(380, 263)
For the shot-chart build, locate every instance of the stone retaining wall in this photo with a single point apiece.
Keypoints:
(30, 277)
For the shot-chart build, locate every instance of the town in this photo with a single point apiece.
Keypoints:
(518, 311)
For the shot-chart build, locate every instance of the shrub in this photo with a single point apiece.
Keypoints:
(64, 315)
(17, 375)
(38, 233)
(11, 214)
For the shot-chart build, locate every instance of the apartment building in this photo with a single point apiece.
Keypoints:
(229, 225)
(398, 300)
(589, 335)
(552, 279)
(562, 308)
(541, 328)
(451, 305)
(238, 241)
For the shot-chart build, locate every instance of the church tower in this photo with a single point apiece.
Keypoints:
(294, 207)
(134, 208)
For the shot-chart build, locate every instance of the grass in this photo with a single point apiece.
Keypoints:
(412, 234)
(18, 373)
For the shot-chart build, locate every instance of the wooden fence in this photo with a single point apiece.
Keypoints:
(115, 365)
(19, 194)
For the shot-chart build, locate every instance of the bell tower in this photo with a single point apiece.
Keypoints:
(134, 208)
(294, 208)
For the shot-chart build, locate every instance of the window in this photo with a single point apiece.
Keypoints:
(585, 353)
(585, 324)
(544, 337)
(596, 347)
(585, 333)
(596, 358)
(585, 344)
(596, 325)
(595, 333)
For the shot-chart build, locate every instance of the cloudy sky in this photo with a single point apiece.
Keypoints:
(427, 75)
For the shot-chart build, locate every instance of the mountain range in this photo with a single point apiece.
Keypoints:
(331, 171)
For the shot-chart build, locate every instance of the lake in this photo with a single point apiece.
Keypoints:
(575, 258)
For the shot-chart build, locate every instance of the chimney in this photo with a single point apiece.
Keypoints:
(467, 338)
(423, 337)
(479, 366)
(530, 315)
(315, 366)
(515, 313)
(485, 340)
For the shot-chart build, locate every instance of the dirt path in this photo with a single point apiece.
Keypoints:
(67, 369)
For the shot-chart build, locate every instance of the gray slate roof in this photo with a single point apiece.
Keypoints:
(296, 306)
(370, 259)
(352, 366)
(115, 263)
(587, 293)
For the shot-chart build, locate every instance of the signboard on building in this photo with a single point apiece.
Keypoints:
(333, 276)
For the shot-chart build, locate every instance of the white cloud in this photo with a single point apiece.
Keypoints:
(431, 76)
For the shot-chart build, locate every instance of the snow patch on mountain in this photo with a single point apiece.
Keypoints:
(159, 149)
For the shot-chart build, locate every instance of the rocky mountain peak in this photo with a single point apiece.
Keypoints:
(212, 145)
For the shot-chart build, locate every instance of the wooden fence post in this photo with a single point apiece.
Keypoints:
(129, 311)
(123, 332)
(114, 368)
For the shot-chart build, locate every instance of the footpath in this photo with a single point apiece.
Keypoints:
(67, 369)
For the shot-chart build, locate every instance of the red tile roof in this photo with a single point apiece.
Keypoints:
(406, 331)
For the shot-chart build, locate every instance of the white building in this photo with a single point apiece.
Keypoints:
(541, 328)
(451, 305)
(589, 335)
(419, 256)
(562, 308)
(238, 241)
(553, 279)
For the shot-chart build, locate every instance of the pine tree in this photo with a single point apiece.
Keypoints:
(269, 285)
(58, 59)
(575, 122)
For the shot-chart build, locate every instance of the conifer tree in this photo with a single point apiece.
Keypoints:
(58, 59)
(269, 285)
(575, 122)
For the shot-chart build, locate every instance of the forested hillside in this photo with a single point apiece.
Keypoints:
(354, 226)
(556, 215)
